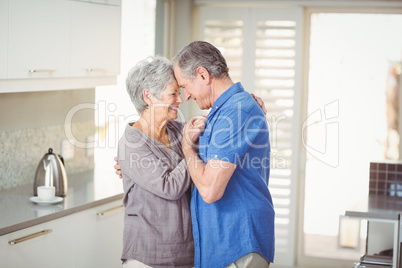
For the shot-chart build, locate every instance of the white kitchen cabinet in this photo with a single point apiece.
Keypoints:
(53, 249)
(58, 44)
(99, 236)
(95, 39)
(90, 238)
(38, 39)
(3, 38)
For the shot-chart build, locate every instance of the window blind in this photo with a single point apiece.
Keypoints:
(263, 51)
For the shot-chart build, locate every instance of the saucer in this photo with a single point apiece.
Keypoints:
(55, 200)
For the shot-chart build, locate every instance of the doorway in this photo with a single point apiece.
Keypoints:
(352, 120)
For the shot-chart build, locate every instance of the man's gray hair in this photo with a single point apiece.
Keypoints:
(201, 54)
(153, 74)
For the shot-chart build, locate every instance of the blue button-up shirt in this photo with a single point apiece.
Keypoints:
(242, 221)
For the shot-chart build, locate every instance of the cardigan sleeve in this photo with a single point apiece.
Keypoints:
(154, 172)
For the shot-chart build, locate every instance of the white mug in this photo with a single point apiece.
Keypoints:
(46, 193)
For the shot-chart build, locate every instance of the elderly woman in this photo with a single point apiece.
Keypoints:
(157, 224)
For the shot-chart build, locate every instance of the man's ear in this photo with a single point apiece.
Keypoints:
(147, 96)
(203, 73)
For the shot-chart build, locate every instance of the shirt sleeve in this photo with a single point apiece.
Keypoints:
(233, 133)
(154, 172)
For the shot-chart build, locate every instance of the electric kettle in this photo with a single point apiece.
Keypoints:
(51, 172)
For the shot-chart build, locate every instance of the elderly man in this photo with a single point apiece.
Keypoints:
(231, 206)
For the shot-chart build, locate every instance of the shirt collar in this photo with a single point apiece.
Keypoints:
(235, 88)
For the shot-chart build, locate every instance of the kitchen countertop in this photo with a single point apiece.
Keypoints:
(377, 207)
(85, 190)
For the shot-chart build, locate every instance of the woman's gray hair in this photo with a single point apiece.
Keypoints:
(154, 74)
(201, 54)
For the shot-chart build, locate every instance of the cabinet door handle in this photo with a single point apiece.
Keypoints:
(42, 71)
(96, 70)
(105, 212)
(28, 237)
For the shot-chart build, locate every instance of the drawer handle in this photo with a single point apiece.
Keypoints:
(96, 70)
(28, 237)
(42, 71)
(105, 212)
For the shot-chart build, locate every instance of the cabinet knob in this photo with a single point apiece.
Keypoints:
(28, 237)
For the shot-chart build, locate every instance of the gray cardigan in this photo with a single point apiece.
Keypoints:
(157, 224)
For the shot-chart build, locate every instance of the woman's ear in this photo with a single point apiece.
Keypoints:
(147, 96)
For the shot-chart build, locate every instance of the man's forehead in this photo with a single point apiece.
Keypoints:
(177, 70)
(178, 75)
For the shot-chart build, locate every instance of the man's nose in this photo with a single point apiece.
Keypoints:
(186, 95)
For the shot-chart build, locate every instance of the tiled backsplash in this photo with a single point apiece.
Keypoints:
(385, 179)
(21, 150)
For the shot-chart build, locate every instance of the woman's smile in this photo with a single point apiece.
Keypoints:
(175, 109)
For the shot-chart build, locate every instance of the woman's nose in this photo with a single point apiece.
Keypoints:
(180, 99)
